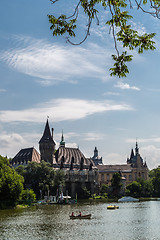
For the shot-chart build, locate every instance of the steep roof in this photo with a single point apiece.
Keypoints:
(74, 155)
(25, 155)
(47, 138)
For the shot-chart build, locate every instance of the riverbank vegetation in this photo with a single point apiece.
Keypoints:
(41, 177)
(142, 189)
(25, 184)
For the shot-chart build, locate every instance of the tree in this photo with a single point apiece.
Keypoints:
(28, 195)
(119, 24)
(41, 177)
(134, 189)
(11, 183)
(146, 187)
(155, 179)
(116, 183)
(83, 193)
(59, 179)
(104, 188)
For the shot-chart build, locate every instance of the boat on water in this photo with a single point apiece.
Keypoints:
(88, 216)
(110, 207)
(128, 199)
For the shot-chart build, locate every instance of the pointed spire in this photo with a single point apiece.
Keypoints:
(132, 154)
(95, 152)
(136, 149)
(62, 142)
(145, 165)
(128, 160)
(47, 137)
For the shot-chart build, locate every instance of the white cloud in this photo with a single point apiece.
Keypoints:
(11, 143)
(113, 158)
(2, 90)
(111, 94)
(53, 63)
(62, 109)
(151, 154)
(126, 86)
(145, 140)
(71, 145)
(92, 136)
(139, 27)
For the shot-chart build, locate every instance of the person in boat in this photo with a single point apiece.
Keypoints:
(72, 214)
(80, 214)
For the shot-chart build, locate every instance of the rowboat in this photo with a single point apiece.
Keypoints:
(88, 216)
(112, 207)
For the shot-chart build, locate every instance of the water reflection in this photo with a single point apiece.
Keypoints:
(134, 221)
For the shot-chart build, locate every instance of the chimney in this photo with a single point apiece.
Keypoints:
(52, 132)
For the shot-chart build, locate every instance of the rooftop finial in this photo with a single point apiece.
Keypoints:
(136, 149)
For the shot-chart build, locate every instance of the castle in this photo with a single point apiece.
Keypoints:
(80, 171)
(134, 168)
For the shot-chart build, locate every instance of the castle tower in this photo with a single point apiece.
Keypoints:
(96, 159)
(95, 152)
(137, 149)
(47, 145)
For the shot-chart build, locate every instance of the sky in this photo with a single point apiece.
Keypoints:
(42, 75)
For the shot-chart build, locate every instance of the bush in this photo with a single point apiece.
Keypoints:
(28, 195)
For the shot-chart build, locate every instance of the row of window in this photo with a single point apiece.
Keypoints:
(20, 162)
(107, 177)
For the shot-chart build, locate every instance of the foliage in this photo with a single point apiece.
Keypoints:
(146, 187)
(59, 179)
(103, 196)
(116, 181)
(134, 189)
(116, 184)
(28, 194)
(83, 193)
(155, 179)
(140, 188)
(11, 183)
(104, 188)
(119, 24)
(21, 170)
(42, 178)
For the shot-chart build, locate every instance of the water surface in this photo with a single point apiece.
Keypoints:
(132, 221)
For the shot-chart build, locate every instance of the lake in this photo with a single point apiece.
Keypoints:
(132, 221)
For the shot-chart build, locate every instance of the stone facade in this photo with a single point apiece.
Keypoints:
(79, 171)
(134, 168)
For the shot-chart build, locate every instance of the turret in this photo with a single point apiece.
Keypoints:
(95, 152)
(47, 145)
(62, 142)
(96, 159)
(137, 149)
(132, 154)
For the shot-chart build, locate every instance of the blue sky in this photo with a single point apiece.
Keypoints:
(43, 76)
